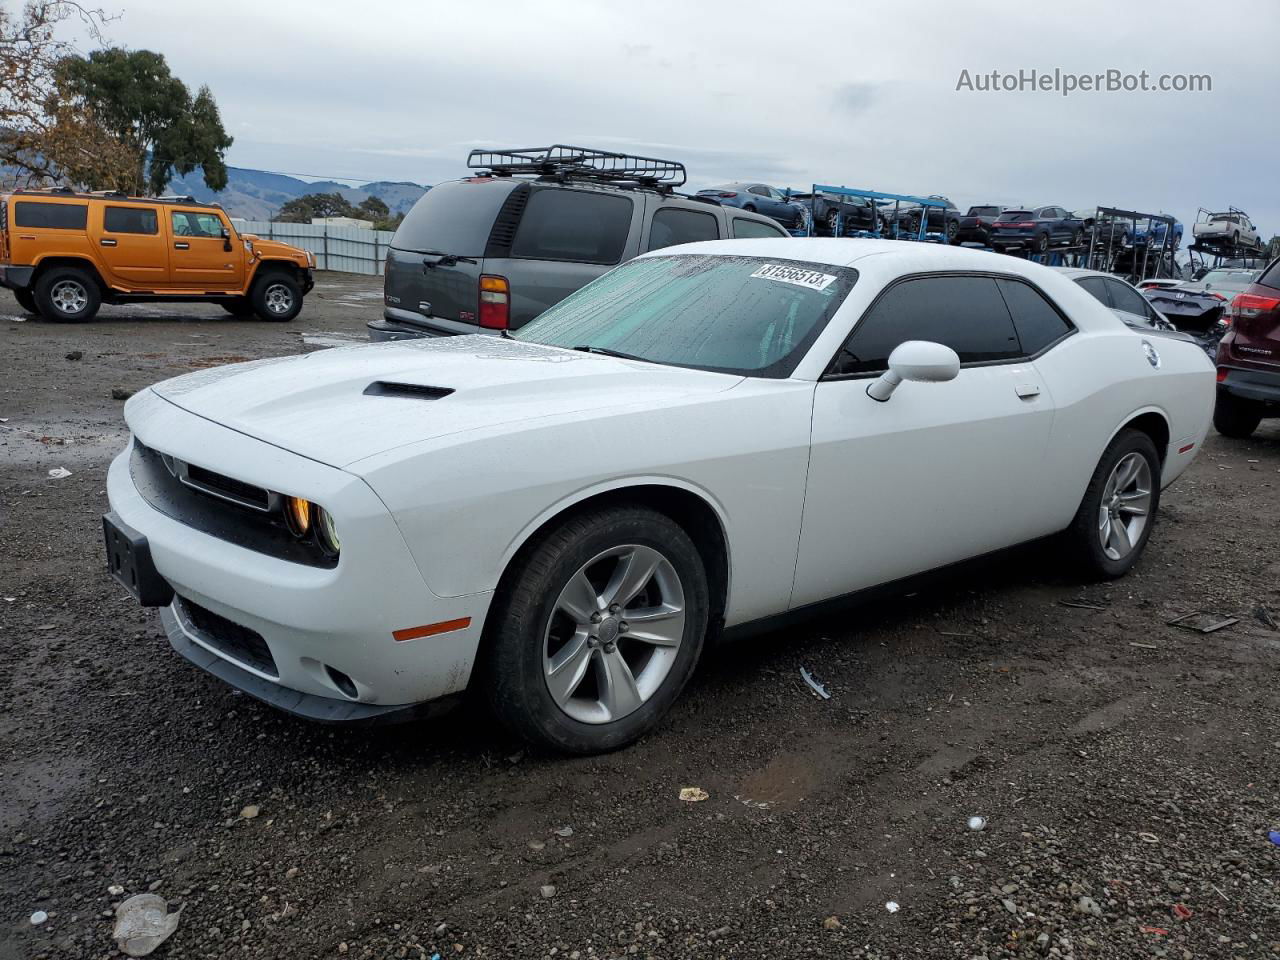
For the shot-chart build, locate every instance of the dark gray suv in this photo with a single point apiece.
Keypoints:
(491, 252)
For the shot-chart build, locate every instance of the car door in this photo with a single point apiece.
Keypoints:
(130, 245)
(199, 257)
(939, 472)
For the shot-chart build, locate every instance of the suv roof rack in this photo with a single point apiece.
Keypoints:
(113, 195)
(565, 162)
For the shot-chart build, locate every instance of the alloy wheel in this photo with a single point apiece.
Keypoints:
(1126, 506)
(278, 298)
(69, 296)
(614, 634)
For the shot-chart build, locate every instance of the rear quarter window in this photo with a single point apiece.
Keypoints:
(1037, 321)
(744, 229)
(573, 225)
(672, 225)
(50, 216)
(1271, 276)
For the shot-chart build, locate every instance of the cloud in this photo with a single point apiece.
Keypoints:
(855, 97)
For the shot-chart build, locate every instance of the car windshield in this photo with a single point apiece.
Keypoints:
(752, 316)
(984, 211)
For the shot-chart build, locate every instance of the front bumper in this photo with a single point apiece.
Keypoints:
(308, 280)
(15, 278)
(1260, 385)
(328, 633)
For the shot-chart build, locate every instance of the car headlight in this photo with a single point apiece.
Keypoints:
(297, 515)
(327, 532)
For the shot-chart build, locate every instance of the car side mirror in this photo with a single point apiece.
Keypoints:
(918, 360)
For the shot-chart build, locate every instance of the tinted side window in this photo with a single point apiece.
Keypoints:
(965, 313)
(759, 189)
(1097, 288)
(673, 225)
(1126, 298)
(1269, 278)
(747, 229)
(130, 220)
(1037, 322)
(573, 225)
(53, 216)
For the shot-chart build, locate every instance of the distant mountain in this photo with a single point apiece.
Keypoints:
(257, 194)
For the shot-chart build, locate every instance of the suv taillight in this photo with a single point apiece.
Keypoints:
(1252, 305)
(495, 303)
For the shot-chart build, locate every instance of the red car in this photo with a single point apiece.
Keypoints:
(1249, 358)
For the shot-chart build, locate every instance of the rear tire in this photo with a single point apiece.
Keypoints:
(276, 296)
(833, 221)
(1236, 418)
(953, 231)
(1042, 243)
(615, 687)
(67, 294)
(1118, 511)
(750, 208)
(26, 300)
(239, 307)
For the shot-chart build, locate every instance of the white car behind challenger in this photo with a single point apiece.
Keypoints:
(705, 438)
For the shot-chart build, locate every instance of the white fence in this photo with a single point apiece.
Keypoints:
(345, 249)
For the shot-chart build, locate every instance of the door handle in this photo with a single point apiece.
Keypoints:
(182, 246)
(1027, 391)
(107, 242)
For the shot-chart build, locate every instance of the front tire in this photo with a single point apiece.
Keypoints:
(1236, 418)
(596, 630)
(953, 232)
(1118, 511)
(833, 221)
(67, 294)
(276, 296)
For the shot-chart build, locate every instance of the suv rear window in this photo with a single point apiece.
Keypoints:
(454, 217)
(53, 216)
(573, 225)
(1009, 216)
(130, 220)
(984, 212)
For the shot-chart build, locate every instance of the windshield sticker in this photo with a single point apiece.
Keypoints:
(796, 275)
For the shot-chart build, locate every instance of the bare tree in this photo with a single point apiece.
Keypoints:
(45, 138)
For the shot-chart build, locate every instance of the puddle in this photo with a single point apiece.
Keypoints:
(333, 339)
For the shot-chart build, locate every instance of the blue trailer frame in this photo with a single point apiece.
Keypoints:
(874, 195)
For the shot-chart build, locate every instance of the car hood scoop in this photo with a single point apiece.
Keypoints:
(341, 405)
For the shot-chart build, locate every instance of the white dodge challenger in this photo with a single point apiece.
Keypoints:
(711, 437)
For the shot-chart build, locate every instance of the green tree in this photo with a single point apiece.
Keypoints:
(43, 139)
(373, 208)
(302, 209)
(133, 94)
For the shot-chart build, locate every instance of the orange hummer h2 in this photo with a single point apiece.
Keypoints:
(64, 254)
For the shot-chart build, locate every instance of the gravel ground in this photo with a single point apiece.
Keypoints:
(1127, 770)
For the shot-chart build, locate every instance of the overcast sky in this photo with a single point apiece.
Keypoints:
(855, 93)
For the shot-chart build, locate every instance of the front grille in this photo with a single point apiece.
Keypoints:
(239, 643)
(222, 485)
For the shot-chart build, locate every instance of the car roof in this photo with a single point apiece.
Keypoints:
(1075, 273)
(890, 255)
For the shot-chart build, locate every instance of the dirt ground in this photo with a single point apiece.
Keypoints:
(1128, 771)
